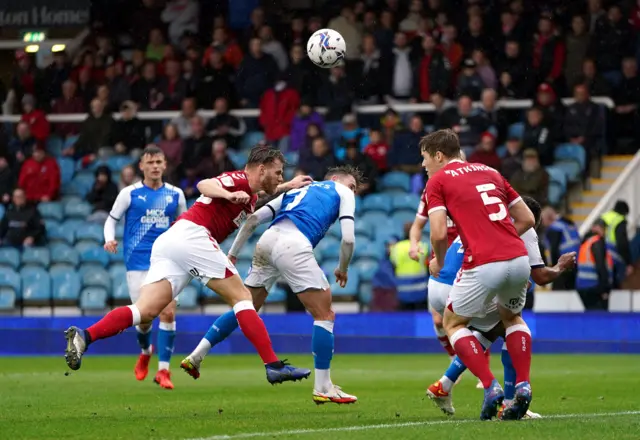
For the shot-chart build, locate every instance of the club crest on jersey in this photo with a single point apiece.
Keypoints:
(239, 220)
(169, 199)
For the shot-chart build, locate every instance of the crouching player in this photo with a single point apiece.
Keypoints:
(490, 328)
(300, 219)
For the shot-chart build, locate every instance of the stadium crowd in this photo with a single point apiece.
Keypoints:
(448, 53)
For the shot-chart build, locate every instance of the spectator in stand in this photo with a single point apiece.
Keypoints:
(511, 29)
(377, 150)
(103, 95)
(182, 16)
(301, 73)
(474, 37)
(273, 47)
(56, 74)
(7, 180)
(539, 136)
(411, 22)
(40, 177)
(86, 86)
(313, 131)
(612, 41)
(577, 43)
(400, 76)
(319, 161)
(336, 94)
(486, 152)
(484, 69)
(405, 154)
(184, 121)
(226, 126)
(120, 89)
(128, 132)
(627, 98)
(385, 33)
(196, 148)
(451, 48)
(217, 80)
(365, 164)
(433, 72)
(595, 14)
(496, 116)
(296, 34)
(548, 53)
(513, 72)
(172, 147)
(553, 109)
(26, 79)
(466, 122)
(256, 75)
(584, 123)
(531, 180)
(21, 225)
(135, 68)
(306, 116)
(390, 124)
(278, 107)
(172, 86)
(512, 161)
(369, 69)
(94, 134)
(36, 119)
(68, 103)
(103, 195)
(590, 77)
(128, 177)
(469, 81)
(227, 47)
(351, 131)
(155, 48)
(146, 91)
(257, 20)
(21, 146)
(348, 27)
(217, 162)
(191, 74)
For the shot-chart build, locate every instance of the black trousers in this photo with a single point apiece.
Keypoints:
(592, 299)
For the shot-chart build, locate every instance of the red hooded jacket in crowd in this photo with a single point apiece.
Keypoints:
(40, 179)
(277, 110)
(38, 123)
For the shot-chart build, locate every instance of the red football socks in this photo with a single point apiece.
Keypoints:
(470, 350)
(113, 323)
(255, 331)
(444, 341)
(518, 341)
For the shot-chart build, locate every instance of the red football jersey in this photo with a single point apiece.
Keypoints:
(220, 216)
(477, 198)
(452, 231)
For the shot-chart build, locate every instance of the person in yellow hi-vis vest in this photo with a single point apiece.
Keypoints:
(412, 276)
(617, 237)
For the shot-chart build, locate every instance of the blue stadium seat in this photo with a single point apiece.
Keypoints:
(64, 254)
(557, 184)
(95, 277)
(358, 204)
(95, 255)
(9, 257)
(67, 168)
(83, 245)
(276, 295)
(376, 203)
(36, 284)
(51, 210)
(570, 169)
(70, 199)
(501, 151)
(292, 157)
(351, 289)
(366, 268)
(571, 152)
(368, 251)
(66, 286)
(261, 229)
(246, 252)
(396, 180)
(120, 290)
(190, 203)
(238, 158)
(409, 202)
(93, 298)
(78, 210)
(74, 223)
(402, 217)
(7, 299)
(329, 266)
(117, 163)
(70, 141)
(365, 292)
(37, 256)
(335, 231)
(120, 230)
(2, 210)
(12, 280)
(329, 247)
(516, 130)
(54, 146)
(188, 298)
(243, 268)
(117, 270)
(118, 257)
(374, 219)
(91, 231)
(60, 233)
(250, 139)
(363, 230)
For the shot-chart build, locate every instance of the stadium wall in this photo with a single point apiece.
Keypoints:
(355, 333)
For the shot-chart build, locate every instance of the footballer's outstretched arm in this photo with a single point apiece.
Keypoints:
(346, 217)
(265, 214)
(120, 206)
(415, 236)
(545, 275)
(213, 189)
(295, 183)
(439, 243)
(522, 216)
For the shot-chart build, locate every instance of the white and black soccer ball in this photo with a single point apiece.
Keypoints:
(326, 48)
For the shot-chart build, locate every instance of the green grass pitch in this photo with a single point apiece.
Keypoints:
(583, 397)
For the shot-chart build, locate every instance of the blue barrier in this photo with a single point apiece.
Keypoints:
(356, 333)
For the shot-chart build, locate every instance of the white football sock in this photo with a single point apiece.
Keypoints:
(447, 384)
(322, 381)
(201, 350)
(163, 366)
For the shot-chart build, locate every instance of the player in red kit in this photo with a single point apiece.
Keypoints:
(495, 264)
(189, 249)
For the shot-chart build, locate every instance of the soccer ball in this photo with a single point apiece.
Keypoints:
(326, 48)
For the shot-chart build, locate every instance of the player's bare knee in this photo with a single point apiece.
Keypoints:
(320, 314)
(144, 327)
(259, 295)
(168, 315)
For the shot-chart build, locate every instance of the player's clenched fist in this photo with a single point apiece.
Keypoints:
(111, 246)
(435, 267)
(300, 181)
(341, 277)
(415, 252)
(567, 261)
(239, 197)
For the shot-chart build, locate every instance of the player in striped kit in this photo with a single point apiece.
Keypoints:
(147, 208)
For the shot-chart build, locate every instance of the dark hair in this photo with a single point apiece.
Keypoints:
(445, 141)
(263, 155)
(151, 150)
(621, 207)
(345, 170)
(534, 206)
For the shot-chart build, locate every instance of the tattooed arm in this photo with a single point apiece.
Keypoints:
(296, 182)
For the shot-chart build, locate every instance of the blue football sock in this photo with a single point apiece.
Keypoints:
(322, 347)
(455, 370)
(222, 328)
(509, 375)
(144, 339)
(166, 337)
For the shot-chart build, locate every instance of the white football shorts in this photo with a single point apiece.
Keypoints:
(438, 293)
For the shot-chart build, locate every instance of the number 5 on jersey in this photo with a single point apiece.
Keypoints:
(491, 200)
